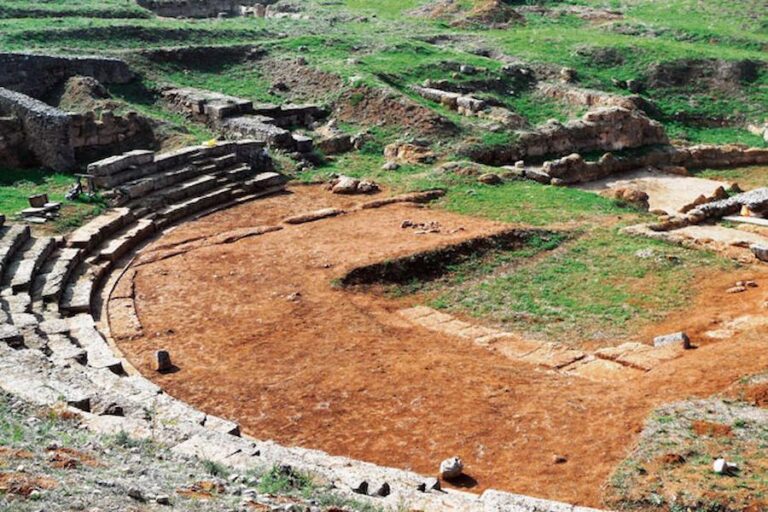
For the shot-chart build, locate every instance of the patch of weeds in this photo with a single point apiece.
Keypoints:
(124, 440)
(215, 469)
(284, 479)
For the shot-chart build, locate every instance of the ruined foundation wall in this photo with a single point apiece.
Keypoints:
(93, 138)
(200, 8)
(34, 132)
(603, 129)
(574, 169)
(46, 129)
(35, 75)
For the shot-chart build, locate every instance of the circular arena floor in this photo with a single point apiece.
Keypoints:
(261, 335)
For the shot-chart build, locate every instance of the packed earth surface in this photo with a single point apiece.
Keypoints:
(302, 255)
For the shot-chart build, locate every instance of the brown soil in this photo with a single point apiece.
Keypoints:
(377, 107)
(757, 394)
(204, 490)
(22, 484)
(69, 458)
(671, 459)
(706, 428)
(261, 335)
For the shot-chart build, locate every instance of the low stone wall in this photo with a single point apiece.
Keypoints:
(468, 105)
(94, 138)
(47, 136)
(604, 129)
(46, 129)
(204, 8)
(591, 98)
(574, 169)
(35, 75)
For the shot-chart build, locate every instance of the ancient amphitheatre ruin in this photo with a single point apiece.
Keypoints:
(347, 242)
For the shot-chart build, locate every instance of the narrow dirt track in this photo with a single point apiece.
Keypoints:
(262, 336)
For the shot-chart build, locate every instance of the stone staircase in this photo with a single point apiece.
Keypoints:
(52, 350)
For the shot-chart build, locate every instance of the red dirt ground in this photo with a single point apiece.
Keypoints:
(261, 336)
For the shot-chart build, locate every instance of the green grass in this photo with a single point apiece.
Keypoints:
(16, 185)
(594, 287)
(746, 177)
(530, 203)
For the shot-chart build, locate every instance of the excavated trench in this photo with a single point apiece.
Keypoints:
(260, 334)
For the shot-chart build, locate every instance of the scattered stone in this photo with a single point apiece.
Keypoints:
(163, 499)
(313, 216)
(38, 201)
(568, 75)
(632, 196)
(136, 494)
(367, 187)
(390, 166)
(163, 361)
(723, 467)
(538, 175)
(559, 459)
(348, 185)
(411, 153)
(736, 289)
(451, 468)
(747, 284)
(490, 179)
(678, 338)
(344, 185)
(760, 252)
(383, 491)
(422, 227)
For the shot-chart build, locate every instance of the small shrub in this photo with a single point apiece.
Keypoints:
(215, 469)
(282, 479)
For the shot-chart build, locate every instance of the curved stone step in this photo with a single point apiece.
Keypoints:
(90, 235)
(54, 281)
(79, 292)
(12, 238)
(127, 240)
(264, 181)
(186, 208)
(22, 272)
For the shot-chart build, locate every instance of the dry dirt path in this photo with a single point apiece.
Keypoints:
(262, 336)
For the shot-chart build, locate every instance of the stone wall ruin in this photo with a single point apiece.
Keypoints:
(207, 8)
(33, 132)
(603, 129)
(35, 74)
(239, 118)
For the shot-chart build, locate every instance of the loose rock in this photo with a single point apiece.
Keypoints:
(451, 468)
(678, 338)
(163, 360)
(723, 467)
(490, 179)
